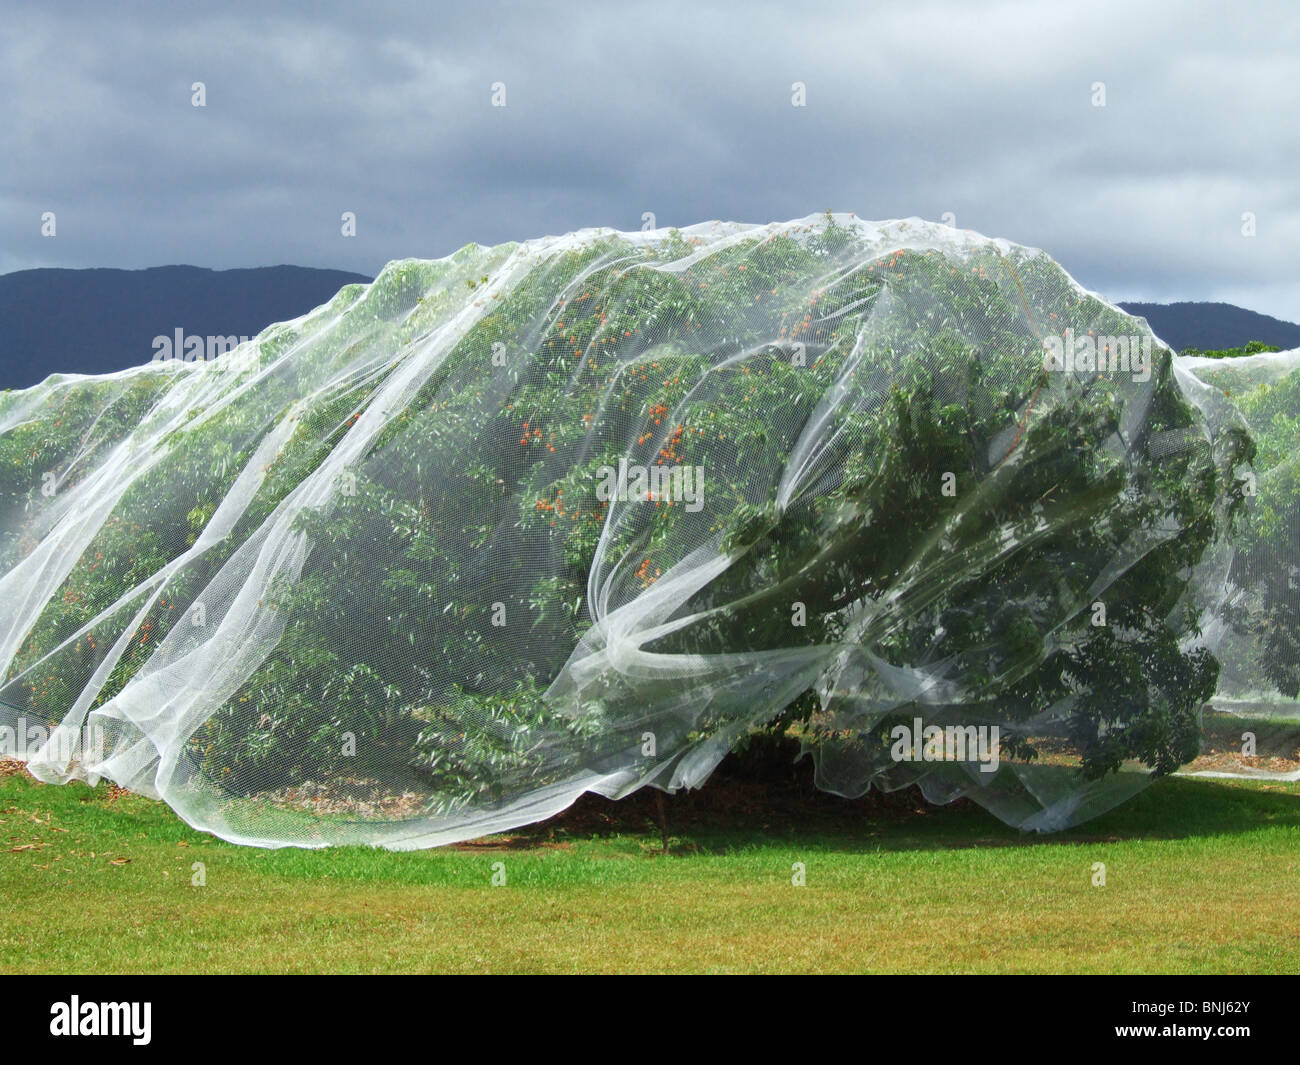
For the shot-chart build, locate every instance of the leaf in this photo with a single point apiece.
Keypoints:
(120, 861)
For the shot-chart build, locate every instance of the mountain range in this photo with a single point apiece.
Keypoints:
(96, 321)
(100, 320)
(1211, 326)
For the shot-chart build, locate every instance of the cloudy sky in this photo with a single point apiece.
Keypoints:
(686, 110)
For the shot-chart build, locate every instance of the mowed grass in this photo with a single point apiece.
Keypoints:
(1201, 877)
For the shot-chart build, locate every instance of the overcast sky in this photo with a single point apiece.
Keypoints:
(680, 109)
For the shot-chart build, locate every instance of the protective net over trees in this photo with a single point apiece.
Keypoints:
(583, 512)
(1249, 584)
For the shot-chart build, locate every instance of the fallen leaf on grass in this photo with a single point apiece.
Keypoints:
(120, 861)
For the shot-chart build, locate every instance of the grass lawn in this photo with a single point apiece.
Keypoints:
(1201, 877)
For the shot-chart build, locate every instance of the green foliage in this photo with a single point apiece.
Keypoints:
(1253, 347)
(497, 744)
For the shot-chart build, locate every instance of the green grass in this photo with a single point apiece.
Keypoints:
(1201, 877)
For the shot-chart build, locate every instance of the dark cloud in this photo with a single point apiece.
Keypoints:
(682, 109)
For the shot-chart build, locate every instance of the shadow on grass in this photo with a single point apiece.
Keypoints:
(740, 809)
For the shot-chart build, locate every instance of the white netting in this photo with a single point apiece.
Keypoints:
(1250, 585)
(579, 513)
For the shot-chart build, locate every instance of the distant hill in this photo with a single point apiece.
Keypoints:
(1213, 326)
(95, 321)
